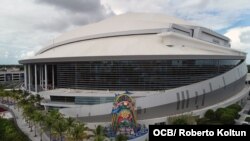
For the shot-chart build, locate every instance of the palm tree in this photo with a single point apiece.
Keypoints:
(37, 100)
(7, 94)
(2, 94)
(99, 133)
(48, 124)
(37, 118)
(77, 132)
(42, 130)
(70, 121)
(50, 119)
(59, 127)
(22, 102)
(32, 99)
(18, 98)
(28, 111)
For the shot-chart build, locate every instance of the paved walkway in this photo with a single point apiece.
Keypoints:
(24, 126)
(243, 114)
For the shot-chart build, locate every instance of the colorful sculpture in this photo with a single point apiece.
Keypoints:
(123, 115)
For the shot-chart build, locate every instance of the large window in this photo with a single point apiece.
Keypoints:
(139, 74)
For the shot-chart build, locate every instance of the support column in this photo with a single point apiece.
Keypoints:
(42, 77)
(29, 77)
(46, 77)
(35, 78)
(39, 75)
(25, 77)
(53, 77)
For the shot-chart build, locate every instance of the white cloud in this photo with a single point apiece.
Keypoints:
(28, 54)
(240, 37)
(214, 14)
(27, 25)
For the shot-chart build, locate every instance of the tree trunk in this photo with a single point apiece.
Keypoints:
(41, 135)
(50, 134)
(35, 130)
(29, 123)
(31, 127)
(61, 136)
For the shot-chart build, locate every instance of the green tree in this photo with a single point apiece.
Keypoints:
(50, 119)
(236, 107)
(38, 119)
(48, 125)
(227, 118)
(7, 94)
(70, 121)
(77, 132)
(2, 95)
(218, 113)
(59, 127)
(28, 114)
(210, 114)
(99, 133)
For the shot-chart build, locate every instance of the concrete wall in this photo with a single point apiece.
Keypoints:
(183, 106)
(191, 97)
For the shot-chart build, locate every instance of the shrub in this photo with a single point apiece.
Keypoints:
(227, 118)
(182, 120)
(235, 107)
(203, 121)
(247, 119)
(121, 138)
(248, 112)
(10, 132)
(218, 113)
(210, 114)
(238, 116)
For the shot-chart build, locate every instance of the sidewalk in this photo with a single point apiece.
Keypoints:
(24, 126)
(243, 116)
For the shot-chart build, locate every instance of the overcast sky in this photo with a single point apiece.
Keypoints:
(28, 25)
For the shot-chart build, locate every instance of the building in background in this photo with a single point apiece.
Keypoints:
(11, 76)
(169, 66)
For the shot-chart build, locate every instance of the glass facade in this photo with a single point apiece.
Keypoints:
(140, 75)
(82, 100)
(93, 100)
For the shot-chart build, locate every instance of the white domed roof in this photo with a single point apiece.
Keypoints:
(124, 22)
(137, 36)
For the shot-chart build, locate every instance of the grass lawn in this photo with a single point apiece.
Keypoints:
(10, 132)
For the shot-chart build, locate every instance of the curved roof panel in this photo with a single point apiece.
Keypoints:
(131, 36)
(124, 22)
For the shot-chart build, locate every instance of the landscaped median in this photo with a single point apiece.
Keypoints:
(10, 132)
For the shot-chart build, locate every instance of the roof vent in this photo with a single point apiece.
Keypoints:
(169, 45)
